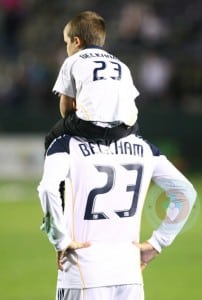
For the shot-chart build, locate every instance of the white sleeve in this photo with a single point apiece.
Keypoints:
(65, 82)
(181, 195)
(55, 171)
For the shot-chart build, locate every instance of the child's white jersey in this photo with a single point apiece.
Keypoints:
(101, 84)
(106, 187)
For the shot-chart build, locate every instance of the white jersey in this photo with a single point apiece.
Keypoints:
(101, 84)
(106, 185)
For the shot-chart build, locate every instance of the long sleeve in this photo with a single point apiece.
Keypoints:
(55, 171)
(182, 196)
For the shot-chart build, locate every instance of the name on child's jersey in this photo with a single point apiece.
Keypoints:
(119, 147)
(90, 55)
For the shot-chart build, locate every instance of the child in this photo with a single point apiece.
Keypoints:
(96, 90)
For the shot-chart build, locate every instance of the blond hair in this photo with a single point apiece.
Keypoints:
(89, 27)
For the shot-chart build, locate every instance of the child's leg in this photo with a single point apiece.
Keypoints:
(87, 129)
(56, 131)
(72, 125)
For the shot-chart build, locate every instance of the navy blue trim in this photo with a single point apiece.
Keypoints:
(59, 145)
(154, 149)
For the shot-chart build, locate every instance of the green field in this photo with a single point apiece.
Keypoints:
(27, 260)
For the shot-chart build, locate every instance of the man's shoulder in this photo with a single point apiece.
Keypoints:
(59, 145)
(145, 143)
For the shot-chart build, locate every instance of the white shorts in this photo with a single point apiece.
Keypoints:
(118, 292)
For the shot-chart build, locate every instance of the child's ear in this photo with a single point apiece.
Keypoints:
(78, 42)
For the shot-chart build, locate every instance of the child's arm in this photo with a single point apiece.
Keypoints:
(67, 105)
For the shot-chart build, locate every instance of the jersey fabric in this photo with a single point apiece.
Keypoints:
(106, 185)
(102, 86)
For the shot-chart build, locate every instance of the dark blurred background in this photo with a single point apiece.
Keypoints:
(160, 40)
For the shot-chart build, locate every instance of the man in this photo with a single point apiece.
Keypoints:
(96, 90)
(96, 229)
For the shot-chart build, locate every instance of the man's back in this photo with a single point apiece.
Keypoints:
(105, 191)
(106, 185)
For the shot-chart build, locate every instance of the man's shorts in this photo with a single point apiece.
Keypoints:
(118, 292)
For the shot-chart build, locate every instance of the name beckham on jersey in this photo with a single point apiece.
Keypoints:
(119, 147)
(90, 55)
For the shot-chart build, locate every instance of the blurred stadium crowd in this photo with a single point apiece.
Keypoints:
(161, 41)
